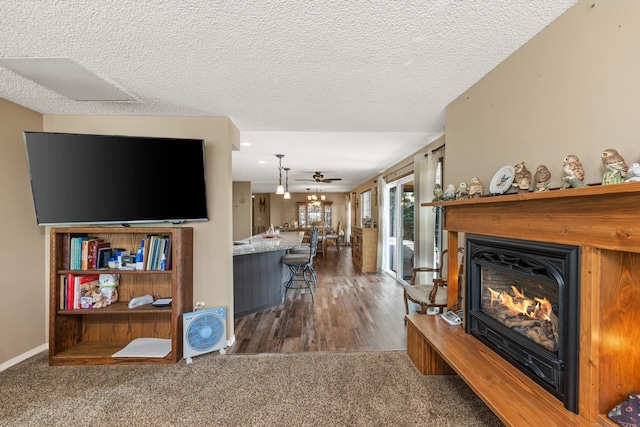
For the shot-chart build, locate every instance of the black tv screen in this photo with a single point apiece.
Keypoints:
(108, 179)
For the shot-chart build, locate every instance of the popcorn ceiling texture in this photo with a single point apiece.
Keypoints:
(273, 65)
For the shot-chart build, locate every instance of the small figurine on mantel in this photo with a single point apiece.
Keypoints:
(449, 193)
(476, 188)
(542, 177)
(616, 167)
(633, 174)
(437, 193)
(574, 172)
(522, 178)
(462, 193)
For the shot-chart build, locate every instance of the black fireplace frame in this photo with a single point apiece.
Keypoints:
(547, 262)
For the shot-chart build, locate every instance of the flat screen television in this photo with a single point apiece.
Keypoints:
(81, 179)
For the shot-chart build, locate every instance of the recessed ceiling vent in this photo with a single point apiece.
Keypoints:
(65, 77)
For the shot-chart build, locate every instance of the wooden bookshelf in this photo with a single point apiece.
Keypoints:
(92, 336)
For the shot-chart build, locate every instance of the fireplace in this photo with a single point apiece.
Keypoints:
(522, 300)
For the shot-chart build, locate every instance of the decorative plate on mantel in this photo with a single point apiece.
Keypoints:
(501, 181)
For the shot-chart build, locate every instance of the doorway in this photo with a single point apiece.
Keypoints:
(398, 243)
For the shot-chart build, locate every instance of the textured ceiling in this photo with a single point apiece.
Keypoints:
(347, 88)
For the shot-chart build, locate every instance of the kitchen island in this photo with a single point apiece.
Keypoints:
(258, 272)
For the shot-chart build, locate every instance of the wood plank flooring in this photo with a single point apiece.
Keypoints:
(352, 311)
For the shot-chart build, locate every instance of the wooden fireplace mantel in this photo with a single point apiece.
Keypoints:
(604, 221)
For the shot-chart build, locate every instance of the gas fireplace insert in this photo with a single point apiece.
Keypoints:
(522, 301)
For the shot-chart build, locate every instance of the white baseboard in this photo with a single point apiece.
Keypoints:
(23, 357)
(231, 341)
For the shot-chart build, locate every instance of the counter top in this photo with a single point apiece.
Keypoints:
(257, 244)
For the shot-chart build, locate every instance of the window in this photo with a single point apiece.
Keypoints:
(309, 213)
(365, 204)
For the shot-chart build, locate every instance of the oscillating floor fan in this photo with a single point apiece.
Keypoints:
(204, 331)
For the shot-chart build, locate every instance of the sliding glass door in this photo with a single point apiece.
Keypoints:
(399, 230)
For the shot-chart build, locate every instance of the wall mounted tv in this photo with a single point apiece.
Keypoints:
(79, 179)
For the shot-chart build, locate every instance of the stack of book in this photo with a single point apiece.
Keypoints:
(157, 252)
(89, 253)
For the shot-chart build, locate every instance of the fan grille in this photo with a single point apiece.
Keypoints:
(205, 331)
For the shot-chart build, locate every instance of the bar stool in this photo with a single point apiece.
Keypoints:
(304, 250)
(301, 267)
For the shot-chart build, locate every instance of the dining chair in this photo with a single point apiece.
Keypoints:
(305, 249)
(332, 239)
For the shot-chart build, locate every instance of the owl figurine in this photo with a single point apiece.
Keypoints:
(522, 178)
(574, 172)
(633, 174)
(476, 189)
(616, 167)
(437, 193)
(462, 193)
(541, 178)
(449, 193)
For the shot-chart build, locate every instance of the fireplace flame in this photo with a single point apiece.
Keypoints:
(518, 303)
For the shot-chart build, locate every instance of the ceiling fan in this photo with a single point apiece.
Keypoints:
(318, 177)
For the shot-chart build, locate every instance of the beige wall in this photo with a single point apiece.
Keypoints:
(261, 218)
(23, 306)
(213, 268)
(242, 206)
(572, 89)
(287, 210)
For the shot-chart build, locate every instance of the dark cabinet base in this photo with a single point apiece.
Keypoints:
(258, 281)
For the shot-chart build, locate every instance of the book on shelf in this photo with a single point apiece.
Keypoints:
(63, 292)
(75, 262)
(93, 252)
(88, 246)
(66, 249)
(71, 279)
(149, 248)
(160, 258)
(167, 253)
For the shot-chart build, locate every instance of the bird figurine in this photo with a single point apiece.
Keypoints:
(449, 193)
(462, 193)
(522, 178)
(476, 188)
(616, 167)
(541, 178)
(633, 174)
(437, 193)
(574, 171)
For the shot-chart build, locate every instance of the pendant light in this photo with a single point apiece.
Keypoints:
(280, 188)
(287, 195)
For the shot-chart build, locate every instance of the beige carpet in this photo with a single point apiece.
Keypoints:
(310, 389)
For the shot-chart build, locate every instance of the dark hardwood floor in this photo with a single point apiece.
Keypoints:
(352, 311)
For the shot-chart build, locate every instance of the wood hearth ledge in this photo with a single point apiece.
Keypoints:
(437, 348)
(604, 222)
